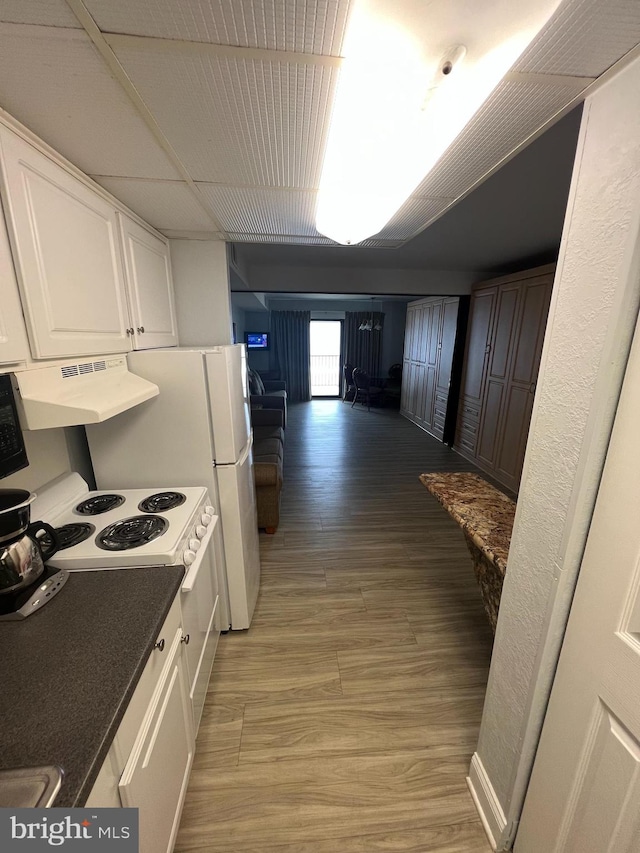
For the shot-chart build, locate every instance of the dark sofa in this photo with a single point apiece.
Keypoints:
(268, 418)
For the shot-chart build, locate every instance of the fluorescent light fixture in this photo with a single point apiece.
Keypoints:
(414, 73)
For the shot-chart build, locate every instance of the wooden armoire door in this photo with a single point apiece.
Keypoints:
(446, 346)
(481, 313)
(497, 377)
(432, 317)
(523, 373)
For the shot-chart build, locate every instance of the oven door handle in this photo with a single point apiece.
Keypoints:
(192, 572)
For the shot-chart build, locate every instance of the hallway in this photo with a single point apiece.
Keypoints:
(345, 718)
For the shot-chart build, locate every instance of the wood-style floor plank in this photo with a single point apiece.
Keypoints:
(346, 716)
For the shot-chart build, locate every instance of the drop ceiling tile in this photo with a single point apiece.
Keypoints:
(413, 216)
(235, 121)
(305, 26)
(241, 237)
(263, 211)
(54, 81)
(167, 205)
(514, 112)
(48, 13)
(584, 38)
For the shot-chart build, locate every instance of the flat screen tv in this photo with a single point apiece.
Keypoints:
(257, 340)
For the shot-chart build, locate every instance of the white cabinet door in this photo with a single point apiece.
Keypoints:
(67, 256)
(13, 337)
(150, 287)
(157, 772)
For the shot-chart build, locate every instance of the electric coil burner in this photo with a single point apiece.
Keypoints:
(131, 532)
(161, 502)
(130, 527)
(98, 504)
(72, 534)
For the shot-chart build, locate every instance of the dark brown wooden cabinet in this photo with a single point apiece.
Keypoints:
(507, 322)
(429, 358)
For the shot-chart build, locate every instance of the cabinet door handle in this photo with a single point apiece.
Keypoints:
(140, 330)
(487, 348)
(185, 639)
(128, 332)
(159, 645)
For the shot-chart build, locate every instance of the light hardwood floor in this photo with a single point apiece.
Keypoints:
(345, 718)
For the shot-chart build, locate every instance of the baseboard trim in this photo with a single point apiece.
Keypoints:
(486, 801)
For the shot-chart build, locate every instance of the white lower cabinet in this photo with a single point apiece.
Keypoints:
(149, 762)
(156, 775)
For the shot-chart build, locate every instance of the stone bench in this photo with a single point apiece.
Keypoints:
(486, 518)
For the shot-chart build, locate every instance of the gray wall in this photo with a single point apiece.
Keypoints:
(392, 336)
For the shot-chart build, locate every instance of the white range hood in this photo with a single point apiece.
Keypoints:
(84, 392)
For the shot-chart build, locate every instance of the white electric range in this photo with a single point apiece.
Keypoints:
(131, 528)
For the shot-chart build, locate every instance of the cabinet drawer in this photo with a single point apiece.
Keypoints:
(149, 680)
(469, 412)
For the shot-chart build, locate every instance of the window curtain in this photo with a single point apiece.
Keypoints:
(361, 348)
(291, 351)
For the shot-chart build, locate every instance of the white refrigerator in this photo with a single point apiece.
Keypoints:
(196, 432)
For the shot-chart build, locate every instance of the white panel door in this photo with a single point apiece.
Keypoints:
(13, 337)
(67, 256)
(229, 395)
(584, 795)
(149, 285)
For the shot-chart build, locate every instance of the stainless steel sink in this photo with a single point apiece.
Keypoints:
(29, 787)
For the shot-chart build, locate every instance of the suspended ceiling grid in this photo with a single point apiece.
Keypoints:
(209, 118)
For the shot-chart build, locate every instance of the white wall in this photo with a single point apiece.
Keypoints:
(593, 312)
(203, 299)
(52, 452)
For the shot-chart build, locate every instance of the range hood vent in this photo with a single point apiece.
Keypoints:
(87, 392)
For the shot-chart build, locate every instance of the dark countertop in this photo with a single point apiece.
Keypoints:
(69, 670)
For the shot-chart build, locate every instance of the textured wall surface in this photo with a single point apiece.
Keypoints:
(591, 322)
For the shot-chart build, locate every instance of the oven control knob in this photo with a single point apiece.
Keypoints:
(194, 544)
(206, 519)
(188, 557)
(201, 531)
(210, 510)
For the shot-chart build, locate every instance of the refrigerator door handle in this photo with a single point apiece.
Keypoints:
(246, 451)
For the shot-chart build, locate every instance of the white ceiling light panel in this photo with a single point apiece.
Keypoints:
(304, 26)
(514, 112)
(584, 38)
(167, 205)
(263, 211)
(235, 121)
(54, 82)
(48, 13)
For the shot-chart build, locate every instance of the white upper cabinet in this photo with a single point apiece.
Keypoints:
(148, 269)
(67, 256)
(14, 346)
